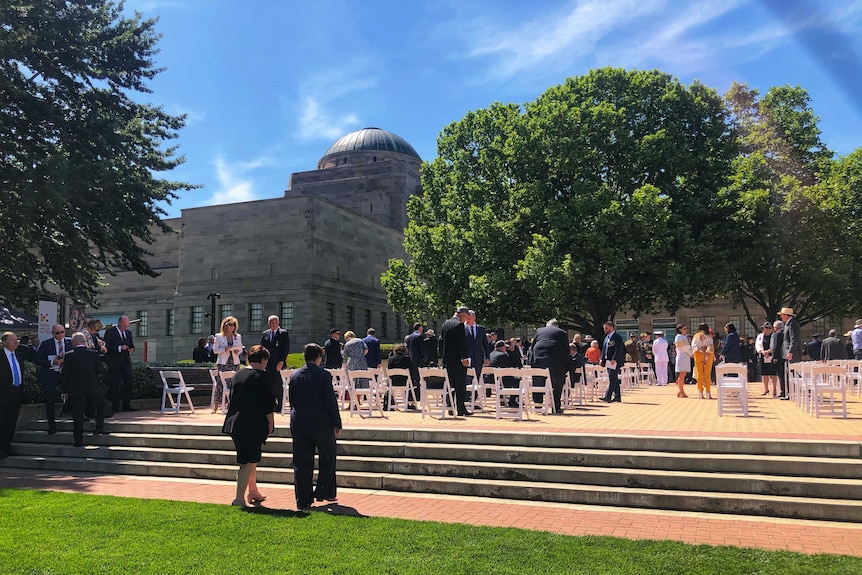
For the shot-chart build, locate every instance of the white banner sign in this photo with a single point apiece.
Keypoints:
(47, 319)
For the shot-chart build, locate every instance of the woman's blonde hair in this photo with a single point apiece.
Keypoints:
(226, 321)
(348, 335)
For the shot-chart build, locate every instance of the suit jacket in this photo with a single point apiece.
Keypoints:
(332, 354)
(792, 340)
(730, 349)
(416, 350)
(278, 348)
(551, 348)
(613, 349)
(312, 398)
(48, 348)
(831, 349)
(80, 375)
(373, 358)
(116, 358)
(8, 392)
(478, 349)
(454, 342)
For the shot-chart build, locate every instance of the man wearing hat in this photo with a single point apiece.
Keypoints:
(791, 350)
(856, 339)
(455, 355)
(332, 350)
(812, 348)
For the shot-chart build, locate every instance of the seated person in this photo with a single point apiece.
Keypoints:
(400, 360)
(500, 358)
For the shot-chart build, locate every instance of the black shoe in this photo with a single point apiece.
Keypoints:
(411, 407)
(605, 399)
(784, 398)
(129, 408)
(616, 400)
(101, 432)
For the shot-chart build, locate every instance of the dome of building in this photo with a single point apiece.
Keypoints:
(371, 139)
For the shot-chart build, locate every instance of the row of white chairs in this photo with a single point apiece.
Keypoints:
(821, 388)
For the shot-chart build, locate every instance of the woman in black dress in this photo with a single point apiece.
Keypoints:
(764, 356)
(251, 396)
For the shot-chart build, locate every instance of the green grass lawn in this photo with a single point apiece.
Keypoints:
(48, 532)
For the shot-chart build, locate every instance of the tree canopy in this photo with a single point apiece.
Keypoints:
(600, 195)
(80, 158)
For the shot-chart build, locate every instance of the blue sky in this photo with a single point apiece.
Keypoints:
(268, 85)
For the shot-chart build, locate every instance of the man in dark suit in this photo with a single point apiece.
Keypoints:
(501, 357)
(613, 359)
(416, 351)
(277, 343)
(50, 358)
(791, 348)
(832, 347)
(314, 424)
(551, 350)
(332, 350)
(120, 346)
(80, 380)
(455, 357)
(430, 351)
(478, 348)
(374, 357)
(11, 392)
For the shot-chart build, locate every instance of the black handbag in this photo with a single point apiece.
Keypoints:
(229, 422)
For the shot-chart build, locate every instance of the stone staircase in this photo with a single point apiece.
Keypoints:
(775, 478)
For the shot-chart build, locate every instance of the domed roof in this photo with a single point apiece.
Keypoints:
(371, 139)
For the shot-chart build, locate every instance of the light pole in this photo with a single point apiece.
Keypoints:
(213, 297)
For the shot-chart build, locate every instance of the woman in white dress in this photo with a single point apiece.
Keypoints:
(683, 358)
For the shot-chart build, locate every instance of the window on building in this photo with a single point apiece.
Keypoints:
(224, 310)
(144, 324)
(735, 320)
(213, 274)
(368, 319)
(710, 321)
(693, 322)
(286, 315)
(330, 315)
(169, 322)
(255, 316)
(350, 318)
(384, 328)
(818, 326)
(664, 323)
(196, 319)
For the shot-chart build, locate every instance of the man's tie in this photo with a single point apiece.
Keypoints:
(271, 335)
(16, 372)
(61, 349)
(122, 334)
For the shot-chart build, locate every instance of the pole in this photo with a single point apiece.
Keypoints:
(213, 297)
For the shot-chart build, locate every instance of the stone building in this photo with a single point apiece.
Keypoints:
(314, 256)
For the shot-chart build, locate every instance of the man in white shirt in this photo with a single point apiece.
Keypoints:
(659, 350)
(11, 392)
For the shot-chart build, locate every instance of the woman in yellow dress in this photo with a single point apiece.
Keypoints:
(704, 354)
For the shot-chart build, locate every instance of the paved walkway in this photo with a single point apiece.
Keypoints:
(645, 411)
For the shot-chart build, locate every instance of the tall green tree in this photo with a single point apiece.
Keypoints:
(793, 217)
(601, 195)
(80, 157)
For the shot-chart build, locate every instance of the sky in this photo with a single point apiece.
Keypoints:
(269, 85)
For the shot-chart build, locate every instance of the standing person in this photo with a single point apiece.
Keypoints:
(856, 340)
(613, 359)
(682, 363)
(659, 349)
(633, 354)
(478, 348)
(354, 357)
(277, 342)
(455, 356)
(551, 350)
(776, 343)
(746, 352)
(251, 398)
(763, 350)
(832, 347)
(429, 349)
(645, 349)
(416, 351)
(731, 350)
(703, 354)
(813, 347)
(374, 358)
(120, 346)
(50, 358)
(11, 392)
(26, 352)
(314, 425)
(80, 381)
(332, 350)
(227, 347)
(791, 348)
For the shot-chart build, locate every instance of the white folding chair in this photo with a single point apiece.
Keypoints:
(174, 384)
(439, 395)
(487, 388)
(360, 396)
(828, 382)
(341, 386)
(731, 382)
(518, 393)
(401, 390)
(474, 388)
(544, 388)
(214, 401)
(285, 386)
(854, 375)
(597, 379)
(645, 374)
(573, 392)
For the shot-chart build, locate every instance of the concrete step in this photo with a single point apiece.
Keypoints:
(510, 455)
(636, 497)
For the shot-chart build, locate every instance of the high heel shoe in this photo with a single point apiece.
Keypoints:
(701, 395)
(681, 394)
(708, 395)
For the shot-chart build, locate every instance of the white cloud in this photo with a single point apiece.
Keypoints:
(322, 113)
(233, 186)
